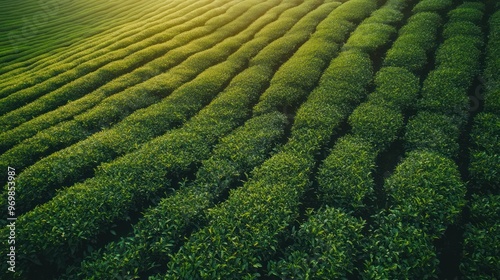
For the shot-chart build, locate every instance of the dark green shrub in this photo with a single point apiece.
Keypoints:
(164, 225)
(345, 177)
(481, 252)
(484, 209)
(325, 247)
(385, 15)
(434, 132)
(486, 133)
(426, 191)
(461, 52)
(398, 250)
(369, 37)
(443, 94)
(459, 28)
(484, 171)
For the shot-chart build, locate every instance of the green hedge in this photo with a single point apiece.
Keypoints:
(377, 124)
(464, 28)
(164, 226)
(91, 55)
(369, 36)
(76, 215)
(324, 247)
(434, 132)
(426, 191)
(55, 96)
(123, 186)
(493, 53)
(78, 161)
(395, 87)
(481, 249)
(464, 14)
(484, 209)
(112, 109)
(485, 153)
(299, 75)
(415, 40)
(432, 6)
(345, 178)
(241, 234)
(397, 250)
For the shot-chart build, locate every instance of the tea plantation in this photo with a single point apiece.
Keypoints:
(250, 139)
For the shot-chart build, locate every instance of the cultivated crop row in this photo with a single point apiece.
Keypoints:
(426, 193)
(58, 23)
(52, 66)
(76, 216)
(242, 235)
(481, 252)
(78, 161)
(211, 30)
(327, 245)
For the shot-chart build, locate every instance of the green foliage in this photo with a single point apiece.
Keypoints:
(493, 53)
(412, 58)
(164, 226)
(485, 154)
(460, 52)
(481, 250)
(427, 192)
(395, 87)
(466, 14)
(345, 177)
(485, 209)
(355, 10)
(432, 6)
(325, 247)
(370, 36)
(397, 250)
(464, 28)
(434, 132)
(377, 124)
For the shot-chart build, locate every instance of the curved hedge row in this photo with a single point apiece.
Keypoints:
(163, 227)
(481, 249)
(485, 152)
(416, 39)
(324, 247)
(78, 161)
(24, 41)
(138, 77)
(241, 235)
(345, 177)
(77, 215)
(99, 45)
(426, 193)
(481, 252)
(57, 91)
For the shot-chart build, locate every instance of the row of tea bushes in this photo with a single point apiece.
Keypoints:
(426, 193)
(481, 249)
(164, 227)
(242, 236)
(76, 216)
(130, 34)
(77, 161)
(210, 33)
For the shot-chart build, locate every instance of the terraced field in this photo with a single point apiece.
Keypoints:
(250, 139)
